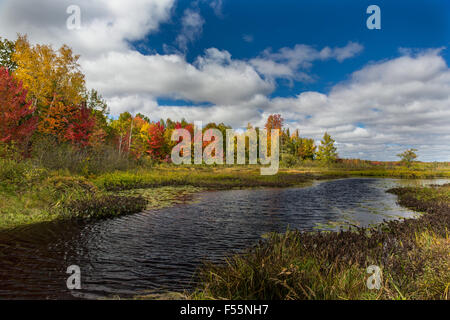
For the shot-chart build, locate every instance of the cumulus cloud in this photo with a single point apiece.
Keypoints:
(391, 105)
(213, 78)
(286, 62)
(106, 25)
(381, 110)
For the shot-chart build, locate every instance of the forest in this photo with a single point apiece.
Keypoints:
(45, 106)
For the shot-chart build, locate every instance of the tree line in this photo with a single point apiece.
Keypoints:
(43, 96)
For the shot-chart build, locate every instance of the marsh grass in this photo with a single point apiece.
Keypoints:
(37, 189)
(413, 254)
(206, 178)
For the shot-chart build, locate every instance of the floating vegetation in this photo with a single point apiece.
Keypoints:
(162, 197)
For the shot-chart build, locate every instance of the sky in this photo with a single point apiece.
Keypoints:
(377, 92)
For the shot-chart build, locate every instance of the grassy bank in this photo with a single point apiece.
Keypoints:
(32, 193)
(412, 254)
(418, 170)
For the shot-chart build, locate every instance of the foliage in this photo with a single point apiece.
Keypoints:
(289, 160)
(16, 121)
(274, 121)
(48, 74)
(408, 156)
(327, 151)
(80, 129)
(156, 148)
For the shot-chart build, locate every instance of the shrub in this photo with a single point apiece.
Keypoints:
(289, 161)
(48, 153)
(60, 189)
(19, 174)
(104, 206)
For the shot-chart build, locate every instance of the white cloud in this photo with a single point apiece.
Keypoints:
(286, 62)
(106, 24)
(401, 102)
(192, 27)
(213, 78)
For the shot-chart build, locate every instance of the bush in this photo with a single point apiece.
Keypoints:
(48, 153)
(59, 190)
(19, 174)
(104, 206)
(289, 161)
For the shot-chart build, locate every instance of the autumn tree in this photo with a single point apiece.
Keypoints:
(99, 109)
(274, 121)
(48, 74)
(140, 135)
(16, 121)
(122, 130)
(408, 156)
(81, 127)
(327, 151)
(56, 120)
(306, 149)
(156, 148)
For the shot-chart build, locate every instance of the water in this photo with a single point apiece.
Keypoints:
(160, 250)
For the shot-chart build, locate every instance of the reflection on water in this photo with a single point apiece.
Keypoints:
(160, 250)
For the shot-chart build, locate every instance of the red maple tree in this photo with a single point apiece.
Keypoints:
(81, 127)
(17, 122)
(156, 141)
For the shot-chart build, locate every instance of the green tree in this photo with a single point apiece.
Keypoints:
(327, 151)
(306, 149)
(408, 156)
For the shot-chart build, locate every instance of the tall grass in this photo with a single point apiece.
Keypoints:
(50, 154)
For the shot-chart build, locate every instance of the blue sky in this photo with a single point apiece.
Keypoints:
(377, 92)
(411, 24)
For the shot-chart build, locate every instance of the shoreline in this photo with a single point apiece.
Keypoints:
(412, 254)
(46, 196)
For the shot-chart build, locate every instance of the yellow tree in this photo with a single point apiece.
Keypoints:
(48, 74)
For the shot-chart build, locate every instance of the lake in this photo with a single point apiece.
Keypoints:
(159, 250)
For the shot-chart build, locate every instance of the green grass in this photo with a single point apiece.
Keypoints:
(30, 194)
(201, 177)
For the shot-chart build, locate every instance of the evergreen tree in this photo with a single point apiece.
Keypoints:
(327, 151)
